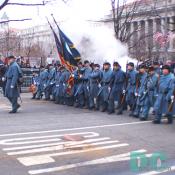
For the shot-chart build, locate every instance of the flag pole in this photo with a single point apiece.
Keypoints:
(55, 21)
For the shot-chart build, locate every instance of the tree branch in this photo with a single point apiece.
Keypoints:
(4, 4)
(14, 20)
(24, 4)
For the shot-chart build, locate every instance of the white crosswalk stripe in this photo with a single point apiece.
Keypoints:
(110, 159)
(54, 144)
(20, 141)
(4, 107)
(60, 147)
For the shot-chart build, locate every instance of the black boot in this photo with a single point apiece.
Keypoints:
(120, 112)
(156, 121)
(170, 119)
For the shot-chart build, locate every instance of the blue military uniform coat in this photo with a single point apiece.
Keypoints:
(12, 76)
(165, 91)
(105, 82)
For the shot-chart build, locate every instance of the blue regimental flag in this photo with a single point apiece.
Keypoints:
(71, 54)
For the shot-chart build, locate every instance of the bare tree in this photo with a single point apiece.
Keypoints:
(5, 3)
(9, 42)
(123, 14)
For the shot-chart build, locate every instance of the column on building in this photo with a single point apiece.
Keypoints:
(150, 32)
(146, 34)
(163, 27)
(131, 42)
(128, 30)
(139, 30)
(154, 32)
(171, 27)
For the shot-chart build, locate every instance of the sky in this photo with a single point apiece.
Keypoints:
(82, 9)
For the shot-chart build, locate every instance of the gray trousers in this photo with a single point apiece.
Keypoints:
(14, 102)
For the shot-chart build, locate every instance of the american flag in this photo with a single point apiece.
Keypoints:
(162, 39)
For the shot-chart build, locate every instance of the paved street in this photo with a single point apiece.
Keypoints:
(32, 141)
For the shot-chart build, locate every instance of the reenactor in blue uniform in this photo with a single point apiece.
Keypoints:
(95, 79)
(82, 88)
(105, 89)
(157, 68)
(173, 98)
(76, 82)
(50, 82)
(78, 87)
(87, 70)
(71, 88)
(43, 77)
(131, 75)
(35, 84)
(64, 76)
(171, 106)
(139, 91)
(57, 84)
(165, 94)
(116, 84)
(12, 90)
(45, 83)
(149, 94)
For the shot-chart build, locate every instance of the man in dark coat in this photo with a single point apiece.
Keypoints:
(2, 76)
(11, 89)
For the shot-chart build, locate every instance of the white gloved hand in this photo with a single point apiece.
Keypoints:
(144, 92)
(99, 85)
(73, 75)
(136, 94)
(44, 85)
(81, 76)
(124, 91)
(11, 87)
(3, 79)
(63, 84)
(109, 89)
(172, 97)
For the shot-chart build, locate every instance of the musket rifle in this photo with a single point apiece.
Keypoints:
(170, 107)
(137, 88)
(123, 97)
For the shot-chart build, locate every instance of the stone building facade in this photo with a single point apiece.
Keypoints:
(152, 17)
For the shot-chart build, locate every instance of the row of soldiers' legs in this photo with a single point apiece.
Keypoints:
(137, 109)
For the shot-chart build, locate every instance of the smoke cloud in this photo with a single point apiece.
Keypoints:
(96, 43)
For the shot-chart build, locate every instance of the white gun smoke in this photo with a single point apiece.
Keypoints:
(96, 42)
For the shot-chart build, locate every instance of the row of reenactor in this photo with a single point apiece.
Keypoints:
(108, 90)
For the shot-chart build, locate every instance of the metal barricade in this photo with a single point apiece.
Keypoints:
(27, 72)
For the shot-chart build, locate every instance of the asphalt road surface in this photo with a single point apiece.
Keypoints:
(33, 142)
